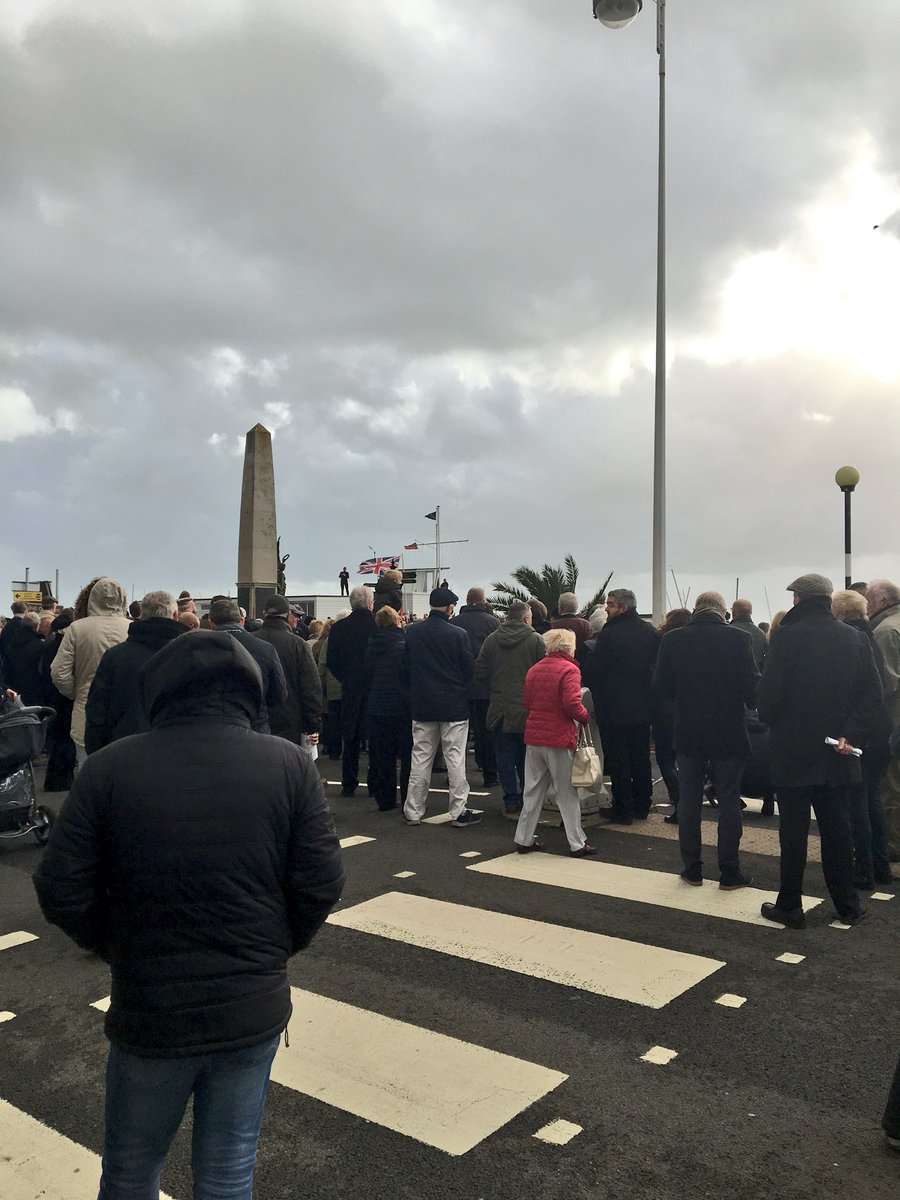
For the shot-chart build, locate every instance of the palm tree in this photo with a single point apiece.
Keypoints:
(546, 585)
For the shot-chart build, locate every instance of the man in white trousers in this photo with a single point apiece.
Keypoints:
(438, 662)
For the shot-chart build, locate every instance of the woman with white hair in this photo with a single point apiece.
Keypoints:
(553, 700)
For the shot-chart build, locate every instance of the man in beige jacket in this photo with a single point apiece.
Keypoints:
(83, 645)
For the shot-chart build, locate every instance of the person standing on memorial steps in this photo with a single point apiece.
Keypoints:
(883, 600)
(438, 663)
(114, 708)
(479, 622)
(344, 580)
(619, 673)
(820, 681)
(195, 859)
(708, 672)
(505, 658)
(345, 659)
(300, 714)
(227, 616)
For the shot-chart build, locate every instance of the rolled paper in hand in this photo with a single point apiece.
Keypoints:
(834, 742)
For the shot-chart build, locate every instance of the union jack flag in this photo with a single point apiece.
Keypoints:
(374, 566)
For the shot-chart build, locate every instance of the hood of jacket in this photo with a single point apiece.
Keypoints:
(205, 676)
(513, 633)
(155, 632)
(106, 597)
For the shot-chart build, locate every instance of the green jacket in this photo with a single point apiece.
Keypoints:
(886, 631)
(331, 685)
(505, 658)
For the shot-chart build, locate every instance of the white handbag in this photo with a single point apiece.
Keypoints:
(587, 769)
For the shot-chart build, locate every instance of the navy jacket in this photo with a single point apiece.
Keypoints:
(479, 623)
(439, 663)
(266, 658)
(619, 670)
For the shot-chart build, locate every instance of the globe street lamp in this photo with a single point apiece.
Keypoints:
(616, 14)
(847, 478)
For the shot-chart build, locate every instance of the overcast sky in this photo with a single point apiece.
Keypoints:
(417, 241)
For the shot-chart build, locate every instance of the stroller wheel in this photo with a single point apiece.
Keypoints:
(44, 819)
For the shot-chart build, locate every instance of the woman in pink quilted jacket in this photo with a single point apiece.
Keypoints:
(553, 700)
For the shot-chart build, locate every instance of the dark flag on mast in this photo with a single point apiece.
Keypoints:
(431, 516)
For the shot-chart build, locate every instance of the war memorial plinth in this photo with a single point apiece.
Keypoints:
(257, 572)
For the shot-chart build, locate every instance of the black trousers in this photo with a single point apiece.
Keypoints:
(485, 754)
(626, 758)
(353, 719)
(832, 808)
(390, 740)
(331, 729)
(345, 587)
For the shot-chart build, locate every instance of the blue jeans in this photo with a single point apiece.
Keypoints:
(510, 751)
(145, 1102)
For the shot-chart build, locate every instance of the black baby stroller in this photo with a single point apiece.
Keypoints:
(22, 735)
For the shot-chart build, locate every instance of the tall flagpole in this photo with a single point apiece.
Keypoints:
(437, 546)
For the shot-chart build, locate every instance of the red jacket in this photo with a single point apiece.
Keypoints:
(553, 700)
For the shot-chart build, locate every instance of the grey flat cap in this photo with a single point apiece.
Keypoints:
(811, 585)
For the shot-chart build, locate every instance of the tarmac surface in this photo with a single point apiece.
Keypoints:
(456, 1012)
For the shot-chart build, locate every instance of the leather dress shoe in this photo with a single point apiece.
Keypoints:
(584, 852)
(535, 845)
(793, 918)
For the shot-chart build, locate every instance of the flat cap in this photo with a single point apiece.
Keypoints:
(811, 585)
(442, 597)
(277, 605)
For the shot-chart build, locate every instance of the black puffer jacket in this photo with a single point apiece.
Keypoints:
(114, 708)
(388, 686)
(819, 681)
(479, 623)
(22, 657)
(619, 670)
(301, 712)
(195, 859)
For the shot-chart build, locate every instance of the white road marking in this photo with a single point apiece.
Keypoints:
(729, 1001)
(404, 874)
(19, 938)
(7, 1016)
(632, 883)
(558, 1133)
(359, 840)
(881, 896)
(659, 1055)
(592, 962)
(471, 854)
(101, 1005)
(436, 1089)
(431, 791)
(444, 818)
(791, 958)
(39, 1162)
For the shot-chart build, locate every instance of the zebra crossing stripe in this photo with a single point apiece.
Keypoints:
(635, 883)
(19, 938)
(443, 1092)
(39, 1162)
(593, 962)
(358, 840)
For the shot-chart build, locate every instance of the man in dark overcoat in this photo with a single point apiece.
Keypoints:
(820, 681)
(707, 670)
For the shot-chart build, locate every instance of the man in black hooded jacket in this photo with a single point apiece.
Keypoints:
(195, 859)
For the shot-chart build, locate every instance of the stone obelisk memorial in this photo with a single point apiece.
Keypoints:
(257, 572)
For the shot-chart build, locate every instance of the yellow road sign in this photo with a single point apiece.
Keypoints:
(28, 597)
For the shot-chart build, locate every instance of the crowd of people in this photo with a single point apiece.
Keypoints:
(804, 714)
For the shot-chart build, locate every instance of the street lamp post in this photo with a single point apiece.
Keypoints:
(847, 478)
(616, 14)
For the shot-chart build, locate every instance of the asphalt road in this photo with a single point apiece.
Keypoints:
(780, 1098)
